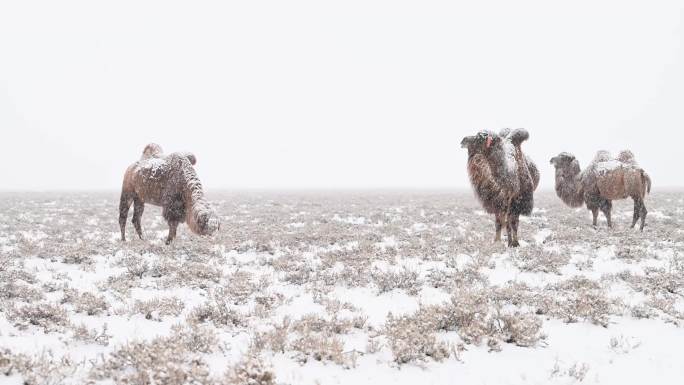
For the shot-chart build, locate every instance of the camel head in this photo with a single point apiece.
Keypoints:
(566, 165)
(205, 219)
(562, 160)
(209, 223)
(481, 142)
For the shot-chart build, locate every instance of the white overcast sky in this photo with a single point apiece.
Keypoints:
(344, 94)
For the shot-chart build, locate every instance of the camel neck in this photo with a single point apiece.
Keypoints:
(569, 186)
(501, 164)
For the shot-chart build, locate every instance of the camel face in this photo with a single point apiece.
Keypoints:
(563, 159)
(480, 143)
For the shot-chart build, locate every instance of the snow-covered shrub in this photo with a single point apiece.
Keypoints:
(276, 339)
(120, 285)
(83, 333)
(164, 360)
(242, 284)
(44, 369)
(158, 308)
(468, 313)
(412, 339)
(136, 266)
(538, 259)
(440, 279)
(318, 324)
(219, 310)
(16, 283)
(194, 274)
(663, 281)
(476, 316)
(85, 302)
(163, 267)
(196, 337)
(582, 299)
(404, 278)
(319, 347)
(666, 305)
(50, 317)
(251, 370)
(77, 257)
(522, 329)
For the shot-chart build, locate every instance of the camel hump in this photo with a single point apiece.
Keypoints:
(182, 157)
(519, 135)
(602, 156)
(152, 150)
(191, 157)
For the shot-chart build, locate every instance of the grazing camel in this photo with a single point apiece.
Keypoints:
(168, 181)
(503, 177)
(605, 179)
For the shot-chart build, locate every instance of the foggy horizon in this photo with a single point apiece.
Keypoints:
(309, 96)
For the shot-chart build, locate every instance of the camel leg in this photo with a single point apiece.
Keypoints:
(138, 208)
(509, 231)
(643, 214)
(124, 206)
(594, 213)
(512, 229)
(174, 213)
(637, 211)
(606, 207)
(173, 225)
(499, 224)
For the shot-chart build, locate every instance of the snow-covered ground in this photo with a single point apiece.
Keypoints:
(356, 288)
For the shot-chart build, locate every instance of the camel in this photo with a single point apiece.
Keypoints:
(503, 177)
(168, 181)
(605, 179)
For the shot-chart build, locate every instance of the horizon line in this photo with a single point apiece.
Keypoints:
(299, 189)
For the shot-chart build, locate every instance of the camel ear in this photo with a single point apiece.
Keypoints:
(553, 160)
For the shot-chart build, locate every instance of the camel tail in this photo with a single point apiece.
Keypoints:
(647, 181)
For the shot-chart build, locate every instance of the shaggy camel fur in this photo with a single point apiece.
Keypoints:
(503, 177)
(605, 179)
(168, 181)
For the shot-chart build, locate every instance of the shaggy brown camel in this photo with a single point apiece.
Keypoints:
(168, 181)
(503, 177)
(606, 179)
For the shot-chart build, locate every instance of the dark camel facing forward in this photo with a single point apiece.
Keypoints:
(503, 177)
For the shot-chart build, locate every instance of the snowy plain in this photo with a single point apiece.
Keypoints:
(340, 288)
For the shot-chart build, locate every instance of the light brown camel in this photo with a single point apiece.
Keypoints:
(168, 181)
(605, 179)
(503, 177)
